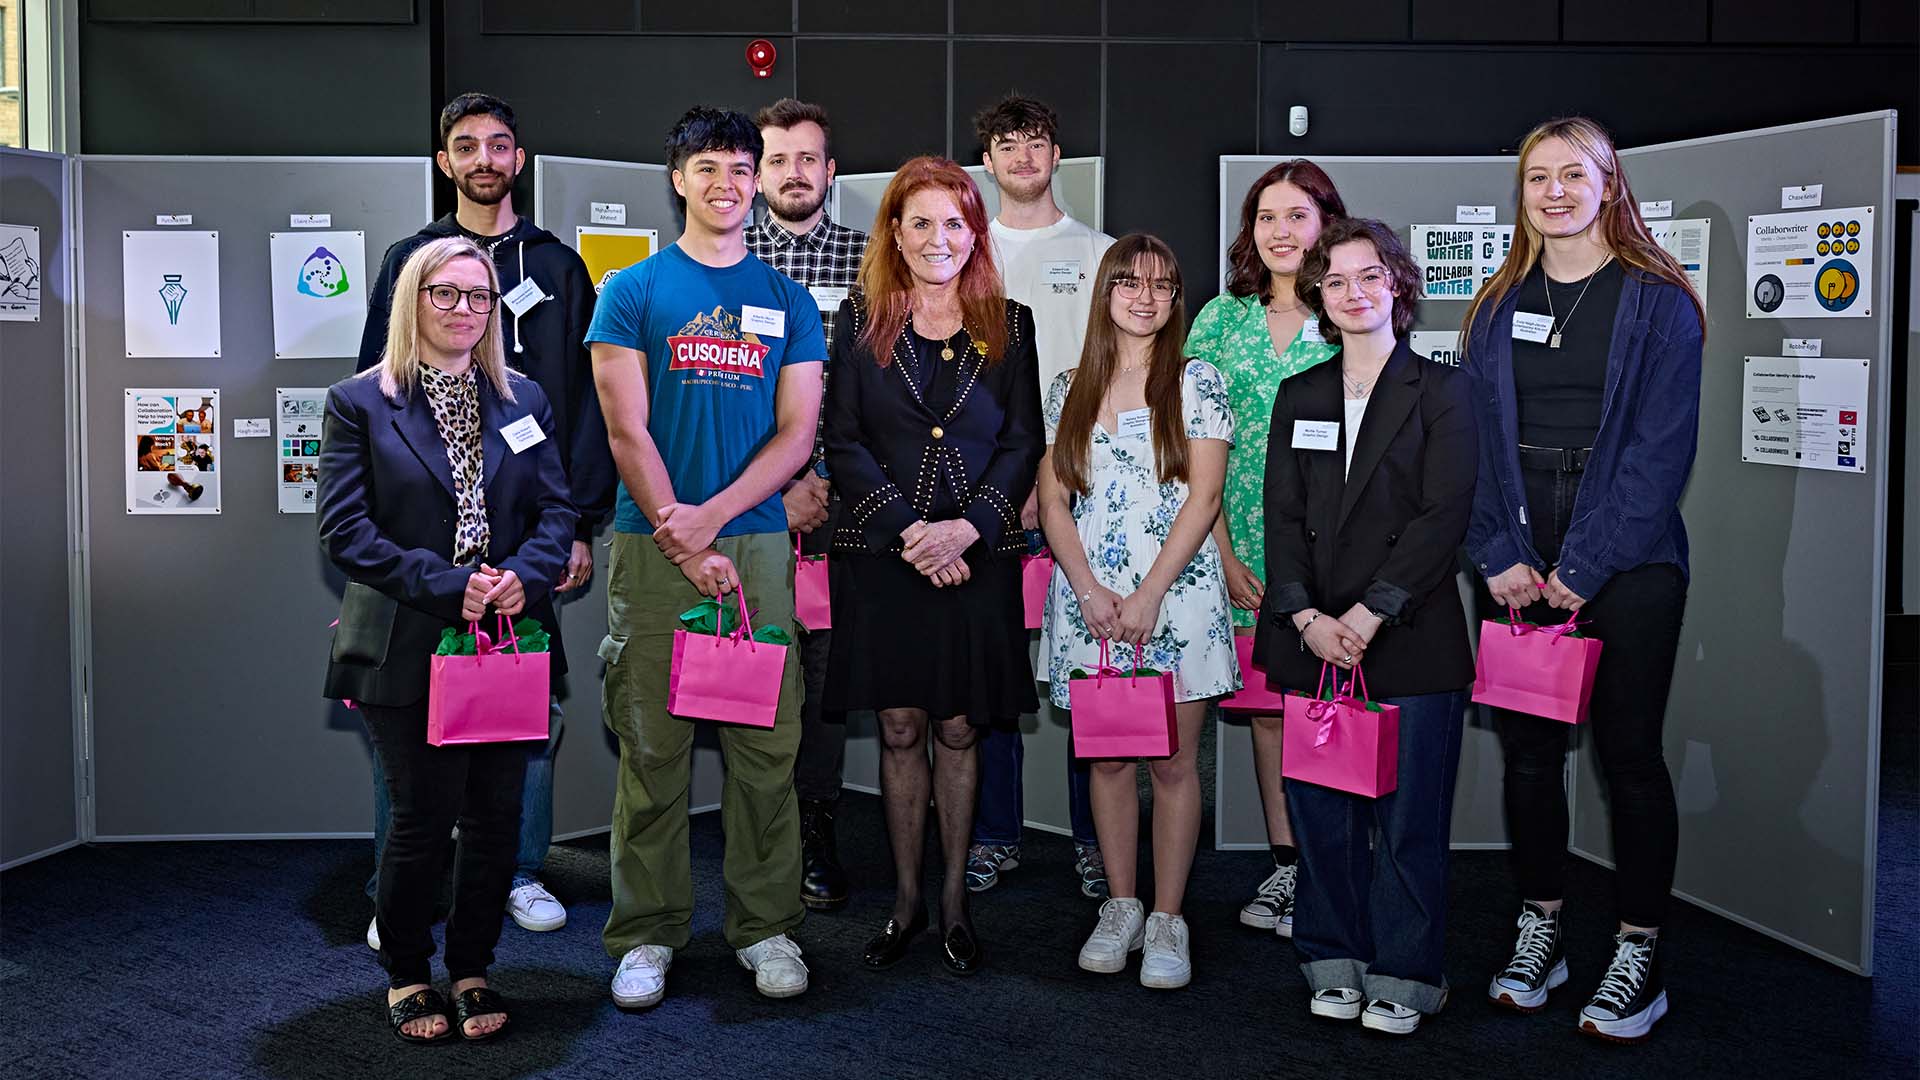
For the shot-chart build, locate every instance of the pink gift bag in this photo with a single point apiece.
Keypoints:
(1036, 576)
(812, 607)
(726, 677)
(1543, 670)
(1343, 742)
(1123, 714)
(1253, 695)
(494, 696)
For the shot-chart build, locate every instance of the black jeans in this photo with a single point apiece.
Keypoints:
(819, 768)
(430, 789)
(1637, 613)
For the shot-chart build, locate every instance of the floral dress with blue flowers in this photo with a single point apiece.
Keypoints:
(1124, 520)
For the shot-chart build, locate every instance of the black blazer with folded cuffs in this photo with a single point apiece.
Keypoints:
(386, 517)
(1387, 534)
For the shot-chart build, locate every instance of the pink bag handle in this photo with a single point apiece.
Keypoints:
(1324, 712)
(1556, 632)
(483, 646)
(745, 629)
(1107, 668)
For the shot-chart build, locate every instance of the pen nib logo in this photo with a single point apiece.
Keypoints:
(173, 294)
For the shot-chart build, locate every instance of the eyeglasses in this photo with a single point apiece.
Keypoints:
(1132, 287)
(1373, 280)
(480, 299)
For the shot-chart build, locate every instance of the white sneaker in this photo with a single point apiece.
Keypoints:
(778, 971)
(1384, 1015)
(1337, 1003)
(373, 934)
(534, 908)
(642, 977)
(1165, 964)
(1119, 932)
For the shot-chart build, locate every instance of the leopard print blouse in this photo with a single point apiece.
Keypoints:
(455, 400)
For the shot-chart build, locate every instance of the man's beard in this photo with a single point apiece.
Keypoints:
(485, 196)
(797, 205)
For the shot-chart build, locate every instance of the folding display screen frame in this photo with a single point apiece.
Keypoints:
(1773, 725)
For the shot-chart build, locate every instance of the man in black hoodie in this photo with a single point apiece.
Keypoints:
(544, 312)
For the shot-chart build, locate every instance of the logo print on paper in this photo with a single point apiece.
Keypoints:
(173, 294)
(323, 275)
(713, 342)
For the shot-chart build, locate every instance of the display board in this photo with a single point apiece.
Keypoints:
(209, 631)
(40, 790)
(1773, 727)
(571, 193)
(1079, 187)
(1403, 192)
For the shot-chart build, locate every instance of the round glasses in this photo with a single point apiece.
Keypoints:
(480, 299)
(1371, 280)
(1131, 288)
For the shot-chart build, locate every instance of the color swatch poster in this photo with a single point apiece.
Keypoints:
(298, 415)
(170, 292)
(319, 292)
(1804, 412)
(1810, 264)
(19, 273)
(173, 451)
(607, 251)
(1455, 260)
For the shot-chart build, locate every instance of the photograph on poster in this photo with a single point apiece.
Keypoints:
(170, 292)
(1811, 264)
(1804, 412)
(1455, 260)
(319, 292)
(299, 413)
(607, 251)
(173, 451)
(19, 273)
(1686, 239)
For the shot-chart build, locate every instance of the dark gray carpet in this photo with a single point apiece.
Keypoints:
(246, 959)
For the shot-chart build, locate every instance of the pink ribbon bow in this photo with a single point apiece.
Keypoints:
(1323, 711)
(1556, 632)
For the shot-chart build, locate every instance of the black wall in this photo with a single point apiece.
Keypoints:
(1161, 89)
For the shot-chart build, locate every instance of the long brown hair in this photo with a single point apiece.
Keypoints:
(1099, 358)
(888, 284)
(1622, 229)
(1247, 275)
(1401, 271)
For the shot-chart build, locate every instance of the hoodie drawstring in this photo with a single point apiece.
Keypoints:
(517, 347)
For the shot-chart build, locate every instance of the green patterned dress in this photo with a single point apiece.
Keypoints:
(1231, 334)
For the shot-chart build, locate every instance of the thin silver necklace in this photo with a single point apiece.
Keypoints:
(1553, 339)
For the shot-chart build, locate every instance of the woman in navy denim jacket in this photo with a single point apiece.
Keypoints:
(1584, 356)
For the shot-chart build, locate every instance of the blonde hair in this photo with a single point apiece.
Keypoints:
(399, 367)
(1620, 226)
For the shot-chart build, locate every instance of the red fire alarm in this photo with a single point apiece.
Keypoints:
(760, 57)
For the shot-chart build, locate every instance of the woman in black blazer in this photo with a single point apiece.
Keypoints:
(441, 498)
(933, 437)
(1369, 486)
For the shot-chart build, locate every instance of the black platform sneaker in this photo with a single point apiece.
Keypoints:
(1538, 963)
(1632, 995)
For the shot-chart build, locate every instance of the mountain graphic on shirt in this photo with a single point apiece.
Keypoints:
(712, 341)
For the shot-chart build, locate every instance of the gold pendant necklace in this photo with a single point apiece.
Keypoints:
(946, 352)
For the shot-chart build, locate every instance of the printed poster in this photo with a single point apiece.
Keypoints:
(1439, 346)
(1810, 264)
(298, 416)
(1804, 412)
(173, 450)
(319, 292)
(1686, 239)
(170, 292)
(19, 273)
(607, 251)
(1455, 260)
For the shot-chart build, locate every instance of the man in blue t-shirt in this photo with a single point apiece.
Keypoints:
(708, 364)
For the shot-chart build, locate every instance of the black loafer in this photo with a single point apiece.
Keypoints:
(960, 951)
(887, 947)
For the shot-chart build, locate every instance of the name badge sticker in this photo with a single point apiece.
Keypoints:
(523, 296)
(523, 433)
(828, 297)
(1316, 434)
(1530, 327)
(1062, 272)
(1310, 331)
(1136, 423)
(758, 320)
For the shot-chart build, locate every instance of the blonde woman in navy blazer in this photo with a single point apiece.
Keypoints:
(442, 499)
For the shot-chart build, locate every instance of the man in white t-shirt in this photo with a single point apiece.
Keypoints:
(1048, 262)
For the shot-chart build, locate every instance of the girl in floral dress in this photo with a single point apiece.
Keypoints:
(1130, 487)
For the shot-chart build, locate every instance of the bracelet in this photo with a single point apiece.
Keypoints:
(1303, 629)
(1086, 596)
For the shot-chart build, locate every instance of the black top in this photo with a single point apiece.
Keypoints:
(1560, 391)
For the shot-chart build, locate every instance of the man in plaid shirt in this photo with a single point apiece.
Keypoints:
(800, 241)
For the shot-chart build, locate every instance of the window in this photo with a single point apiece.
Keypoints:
(12, 75)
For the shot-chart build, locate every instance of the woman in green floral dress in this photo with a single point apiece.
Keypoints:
(1258, 333)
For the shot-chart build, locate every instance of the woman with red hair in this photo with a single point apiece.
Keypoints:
(933, 436)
